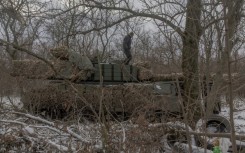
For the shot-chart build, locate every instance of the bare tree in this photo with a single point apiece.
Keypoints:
(13, 23)
(183, 30)
(232, 12)
(190, 36)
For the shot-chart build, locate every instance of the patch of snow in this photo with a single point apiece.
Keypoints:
(29, 130)
(14, 101)
(239, 121)
(2, 132)
(98, 147)
(224, 144)
(158, 87)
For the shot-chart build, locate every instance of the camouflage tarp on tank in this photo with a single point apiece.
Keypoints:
(63, 53)
(81, 61)
(39, 70)
(67, 64)
(36, 69)
(144, 72)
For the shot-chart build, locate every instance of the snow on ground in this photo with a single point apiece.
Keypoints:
(239, 114)
(34, 132)
(239, 121)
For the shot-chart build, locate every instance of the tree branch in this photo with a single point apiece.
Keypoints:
(133, 14)
(29, 53)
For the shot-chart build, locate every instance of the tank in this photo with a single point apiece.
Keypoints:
(72, 84)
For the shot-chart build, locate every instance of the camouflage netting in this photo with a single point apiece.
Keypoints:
(166, 77)
(146, 65)
(78, 68)
(36, 69)
(144, 72)
(62, 99)
(70, 71)
(66, 65)
(60, 52)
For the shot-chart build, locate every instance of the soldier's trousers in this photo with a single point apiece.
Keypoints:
(128, 55)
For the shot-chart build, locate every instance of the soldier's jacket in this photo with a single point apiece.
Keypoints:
(127, 42)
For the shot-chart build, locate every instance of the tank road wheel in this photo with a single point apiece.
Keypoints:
(213, 124)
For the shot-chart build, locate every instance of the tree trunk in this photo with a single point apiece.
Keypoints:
(232, 12)
(190, 54)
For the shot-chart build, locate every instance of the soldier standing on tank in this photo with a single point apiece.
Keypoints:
(127, 47)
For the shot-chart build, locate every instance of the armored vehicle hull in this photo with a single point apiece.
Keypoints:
(62, 99)
(72, 84)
